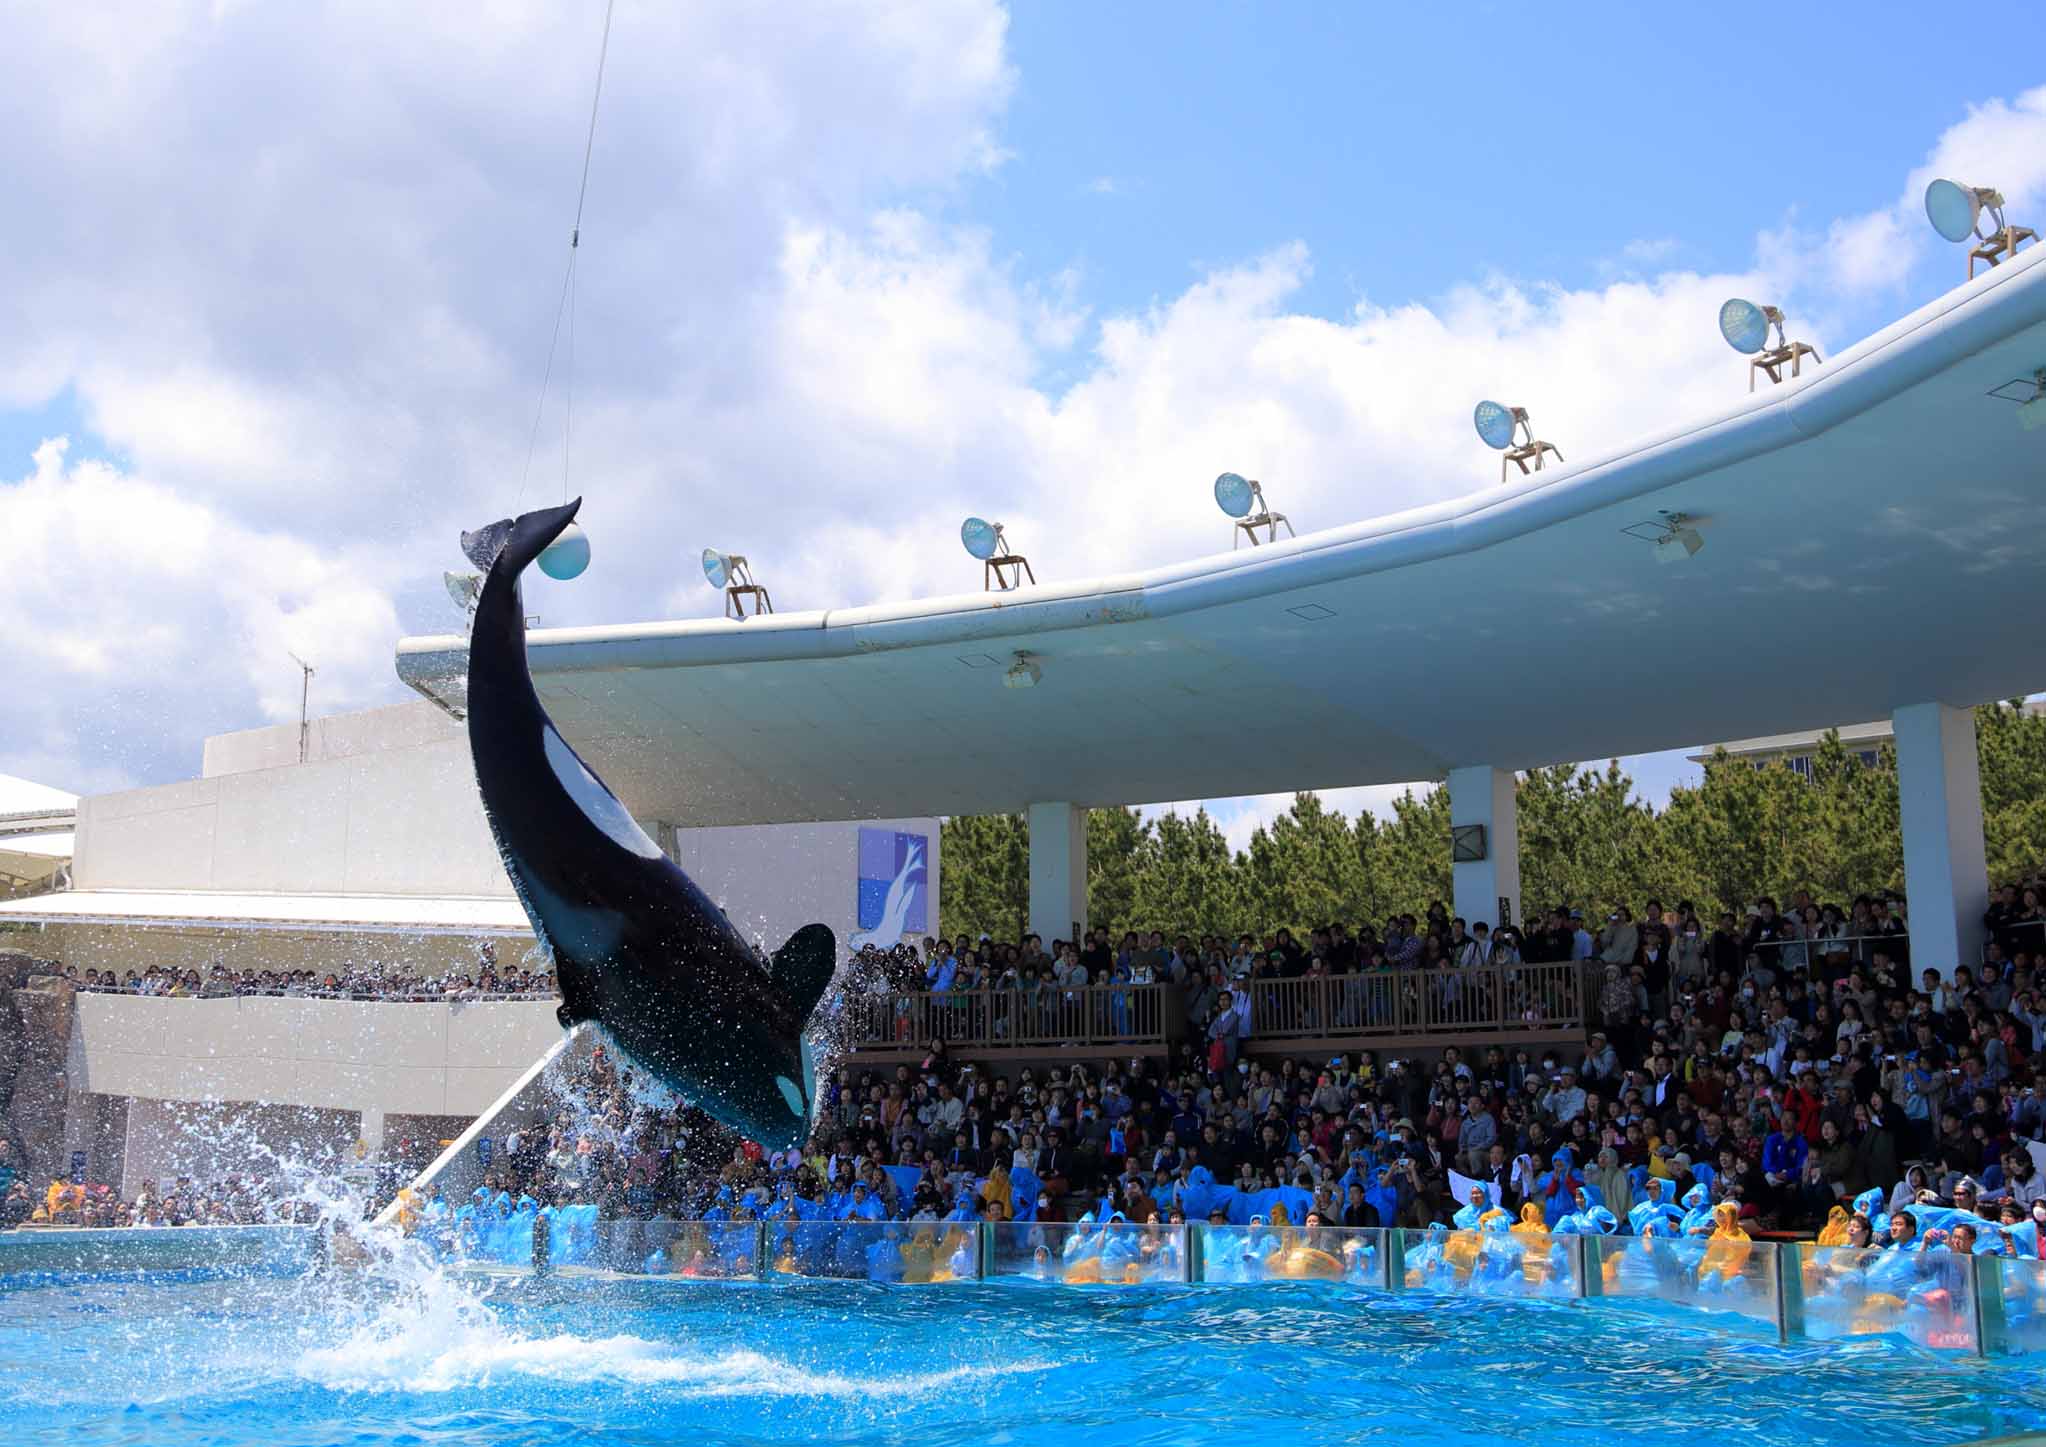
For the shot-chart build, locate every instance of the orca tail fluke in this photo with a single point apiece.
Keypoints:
(482, 546)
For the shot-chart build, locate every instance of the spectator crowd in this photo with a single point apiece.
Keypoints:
(368, 980)
(1794, 1071)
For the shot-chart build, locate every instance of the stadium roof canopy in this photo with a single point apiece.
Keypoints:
(1872, 540)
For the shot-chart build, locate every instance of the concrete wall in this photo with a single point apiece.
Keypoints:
(403, 820)
(411, 1059)
(386, 804)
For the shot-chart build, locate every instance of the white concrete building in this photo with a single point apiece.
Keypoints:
(374, 848)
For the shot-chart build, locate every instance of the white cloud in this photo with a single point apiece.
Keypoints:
(2000, 144)
(299, 267)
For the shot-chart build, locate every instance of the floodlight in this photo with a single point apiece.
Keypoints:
(1674, 536)
(1024, 672)
(1744, 325)
(1681, 543)
(1496, 423)
(1001, 569)
(465, 589)
(729, 572)
(982, 538)
(1955, 212)
(1746, 328)
(1954, 209)
(2030, 395)
(1506, 429)
(1234, 494)
(567, 555)
(1237, 495)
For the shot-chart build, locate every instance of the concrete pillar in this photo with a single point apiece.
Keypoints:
(1484, 795)
(1058, 872)
(1939, 804)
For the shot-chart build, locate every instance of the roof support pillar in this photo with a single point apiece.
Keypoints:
(1058, 872)
(1484, 796)
(1939, 804)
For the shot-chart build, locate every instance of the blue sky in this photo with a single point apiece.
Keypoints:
(291, 315)
(1415, 147)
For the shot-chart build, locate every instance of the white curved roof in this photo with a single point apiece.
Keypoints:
(1872, 537)
(26, 799)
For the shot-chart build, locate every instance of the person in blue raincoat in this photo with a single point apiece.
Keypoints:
(1698, 1218)
(1554, 1188)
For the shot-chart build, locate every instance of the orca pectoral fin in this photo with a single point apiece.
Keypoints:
(803, 967)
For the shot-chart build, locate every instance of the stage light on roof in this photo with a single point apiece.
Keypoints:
(1953, 208)
(1956, 212)
(567, 555)
(1001, 568)
(1746, 328)
(1744, 325)
(1495, 424)
(730, 572)
(717, 570)
(982, 538)
(1243, 498)
(1506, 429)
(1234, 495)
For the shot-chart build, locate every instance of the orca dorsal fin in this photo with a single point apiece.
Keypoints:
(803, 967)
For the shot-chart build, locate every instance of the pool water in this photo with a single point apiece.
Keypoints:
(441, 1363)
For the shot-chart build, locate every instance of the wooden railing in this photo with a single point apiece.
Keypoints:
(1501, 1001)
(1048, 1016)
(1485, 1000)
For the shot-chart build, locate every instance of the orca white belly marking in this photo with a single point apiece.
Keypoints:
(594, 799)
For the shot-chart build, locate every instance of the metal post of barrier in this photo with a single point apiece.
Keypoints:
(1581, 1253)
(1992, 1336)
(1186, 1250)
(985, 1254)
(760, 1272)
(1790, 1291)
(1395, 1258)
(543, 1231)
(1196, 1252)
(1385, 1266)
(1592, 1277)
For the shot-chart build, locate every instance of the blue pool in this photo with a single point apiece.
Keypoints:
(436, 1362)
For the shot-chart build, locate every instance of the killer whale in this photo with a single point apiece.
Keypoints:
(637, 947)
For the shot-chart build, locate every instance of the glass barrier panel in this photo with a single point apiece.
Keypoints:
(2023, 1283)
(662, 1246)
(1926, 1296)
(1694, 1272)
(916, 1252)
(1491, 1263)
(1080, 1253)
(1290, 1253)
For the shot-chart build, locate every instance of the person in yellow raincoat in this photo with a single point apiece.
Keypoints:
(1534, 1265)
(1728, 1248)
(63, 1201)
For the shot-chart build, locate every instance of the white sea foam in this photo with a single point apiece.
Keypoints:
(427, 1361)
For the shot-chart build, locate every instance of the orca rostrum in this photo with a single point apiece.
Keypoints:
(637, 947)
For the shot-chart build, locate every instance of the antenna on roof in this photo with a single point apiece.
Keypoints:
(305, 694)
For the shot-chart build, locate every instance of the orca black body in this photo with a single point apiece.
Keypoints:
(637, 947)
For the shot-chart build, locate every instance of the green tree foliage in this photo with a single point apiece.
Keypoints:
(1116, 840)
(984, 875)
(1585, 838)
(1187, 879)
(2011, 744)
